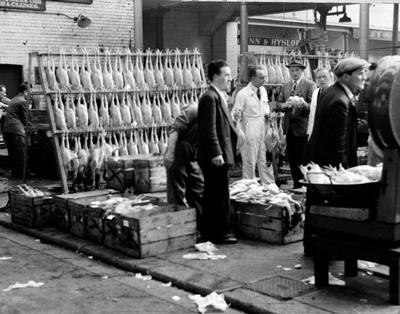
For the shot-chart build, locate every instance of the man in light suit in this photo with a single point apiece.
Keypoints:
(217, 139)
(334, 136)
(295, 121)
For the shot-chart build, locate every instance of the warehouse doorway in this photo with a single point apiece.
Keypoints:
(11, 77)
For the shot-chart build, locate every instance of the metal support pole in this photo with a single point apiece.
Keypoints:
(345, 42)
(244, 28)
(364, 30)
(395, 36)
(138, 11)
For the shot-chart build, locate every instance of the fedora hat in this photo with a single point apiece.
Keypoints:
(295, 62)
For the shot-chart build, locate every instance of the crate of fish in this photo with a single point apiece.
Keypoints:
(149, 229)
(150, 174)
(268, 222)
(120, 173)
(62, 205)
(82, 225)
(266, 213)
(31, 207)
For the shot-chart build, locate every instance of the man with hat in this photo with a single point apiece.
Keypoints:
(334, 137)
(294, 99)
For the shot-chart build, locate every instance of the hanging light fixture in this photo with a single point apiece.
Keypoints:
(81, 20)
(344, 18)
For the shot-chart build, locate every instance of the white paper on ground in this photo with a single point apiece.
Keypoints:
(5, 258)
(215, 300)
(175, 298)
(142, 277)
(332, 280)
(207, 247)
(167, 284)
(18, 285)
(203, 256)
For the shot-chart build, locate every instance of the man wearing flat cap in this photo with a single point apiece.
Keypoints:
(294, 99)
(334, 137)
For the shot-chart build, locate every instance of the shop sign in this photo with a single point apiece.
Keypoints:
(374, 34)
(36, 5)
(269, 41)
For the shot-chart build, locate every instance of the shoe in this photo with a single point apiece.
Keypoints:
(228, 239)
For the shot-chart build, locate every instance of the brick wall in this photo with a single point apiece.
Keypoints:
(26, 31)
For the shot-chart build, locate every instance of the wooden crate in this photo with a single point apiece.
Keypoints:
(150, 174)
(62, 209)
(81, 222)
(36, 212)
(266, 222)
(120, 173)
(166, 229)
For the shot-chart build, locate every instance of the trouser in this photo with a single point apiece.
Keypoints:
(296, 149)
(216, 202)
(15, 146)
(254, 151)
(185, 180)
(375, 155)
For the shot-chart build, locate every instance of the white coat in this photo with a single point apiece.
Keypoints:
(250, 112)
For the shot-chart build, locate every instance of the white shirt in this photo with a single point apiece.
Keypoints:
(221, 94)
(249, 105)
(348, 91)
(313, 108)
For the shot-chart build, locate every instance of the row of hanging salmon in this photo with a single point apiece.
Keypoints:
(277, 70)
(85, 155)
(118, 70)
(82, 112)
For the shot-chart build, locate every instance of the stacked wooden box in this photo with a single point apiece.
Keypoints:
(150, 174)
(63, 204)
(29, 211)
(120, 173)
(165, 229)
(267, 222)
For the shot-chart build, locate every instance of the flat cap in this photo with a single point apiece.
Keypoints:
(349, 65)
(296, 63)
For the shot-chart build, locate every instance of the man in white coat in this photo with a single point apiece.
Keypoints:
(251, 111)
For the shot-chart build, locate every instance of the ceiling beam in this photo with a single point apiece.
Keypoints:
(209, 27)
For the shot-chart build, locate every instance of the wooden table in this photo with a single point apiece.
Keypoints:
(325, 247)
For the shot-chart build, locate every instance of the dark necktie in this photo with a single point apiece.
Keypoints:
(293, 88)
(258, 94)
(319, 95)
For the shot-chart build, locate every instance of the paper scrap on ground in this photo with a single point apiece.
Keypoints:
(5, 258)
(142, 277)
(286, 268)
(207, 247)
(176, 298)
(214, 300)
(167, 284)
(332, 280)
(18, 285)
(203, 256)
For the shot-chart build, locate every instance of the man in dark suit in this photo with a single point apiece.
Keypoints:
(216, 153)
(14, 130)
(334, 137)
(295, 121)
